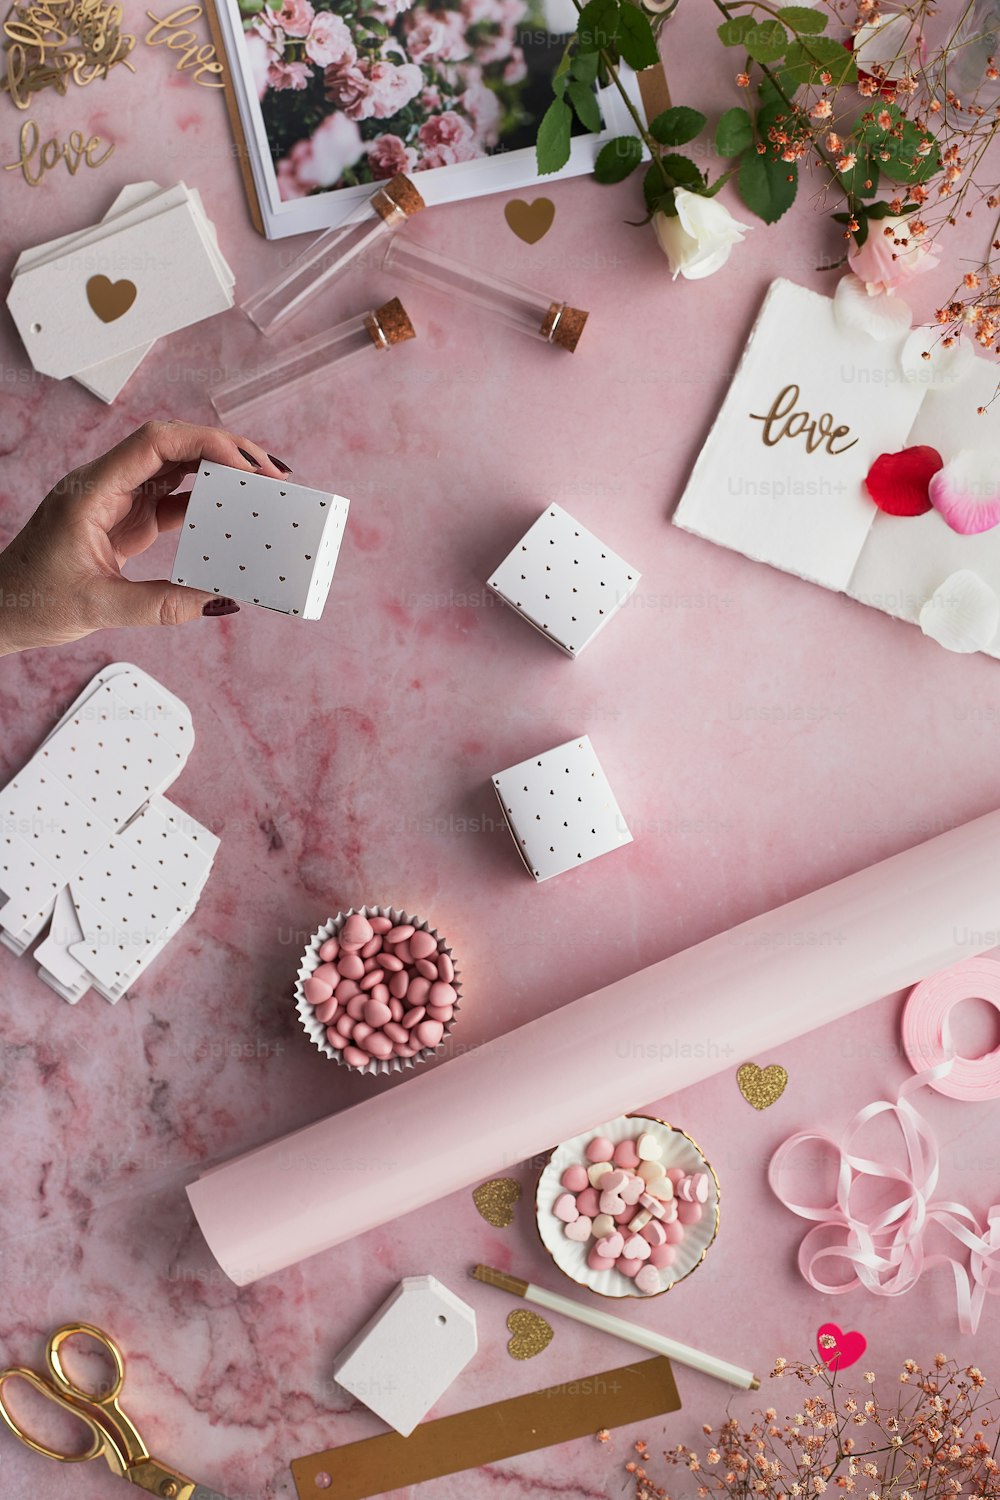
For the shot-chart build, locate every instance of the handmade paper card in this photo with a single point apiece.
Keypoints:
(783, 475)
(808, 411)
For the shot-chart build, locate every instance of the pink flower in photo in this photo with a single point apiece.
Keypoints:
(483, 108)
(388, 10)
(259, 56)
(348, 87)
(516, 69)
(266, 27)
(439, 36)
(295, 17)
(393, 87)
(322, 160)
(430, 99)
(389, 155)
(285, 75)
(446, 139)
(329, 41)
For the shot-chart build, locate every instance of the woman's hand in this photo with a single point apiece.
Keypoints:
(61, 578)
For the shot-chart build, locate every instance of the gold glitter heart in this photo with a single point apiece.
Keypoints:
(530, 1334)
(495, 1200)
(761, 1087)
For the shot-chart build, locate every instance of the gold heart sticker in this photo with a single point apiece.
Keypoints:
(761, 1087)
(530, 1334)
(110, 299)
(495, 1201)
(530, 221)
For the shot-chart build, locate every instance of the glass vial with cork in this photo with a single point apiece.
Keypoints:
(381, 329)
(533, 313)
(329, 254)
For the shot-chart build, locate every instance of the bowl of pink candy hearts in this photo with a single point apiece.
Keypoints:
(377, 990)
(628, 1209)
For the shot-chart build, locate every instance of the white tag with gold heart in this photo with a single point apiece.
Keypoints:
(114, 293)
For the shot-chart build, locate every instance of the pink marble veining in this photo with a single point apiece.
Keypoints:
(762, 737)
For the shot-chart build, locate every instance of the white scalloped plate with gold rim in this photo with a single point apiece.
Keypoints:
(679, 1150)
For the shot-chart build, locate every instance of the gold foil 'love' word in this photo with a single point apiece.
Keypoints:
(74, 152)
(49, 42)
(196, 57)
(495, 1200)
(783, 421)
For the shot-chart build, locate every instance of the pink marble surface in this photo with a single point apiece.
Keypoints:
(763, 738)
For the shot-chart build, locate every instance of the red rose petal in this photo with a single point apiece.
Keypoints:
(898, 482)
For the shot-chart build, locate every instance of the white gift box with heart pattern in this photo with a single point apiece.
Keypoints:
(564, 580)
(560, 808)
(263, 541)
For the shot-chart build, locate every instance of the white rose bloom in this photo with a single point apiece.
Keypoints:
(698, 238)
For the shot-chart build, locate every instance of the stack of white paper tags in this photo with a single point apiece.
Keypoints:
(92, 304)
(89, 844)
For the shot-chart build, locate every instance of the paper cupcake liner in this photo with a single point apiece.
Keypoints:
(571, 1258)
(316, 1030)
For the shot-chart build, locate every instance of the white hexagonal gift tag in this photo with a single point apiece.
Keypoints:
(564, 580)
(561, 809)
(263, 541)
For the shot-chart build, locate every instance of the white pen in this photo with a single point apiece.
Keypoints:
(746, 1380)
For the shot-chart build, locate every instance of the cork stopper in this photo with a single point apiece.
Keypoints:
(398, 199)
(389, 324)
(563, 325)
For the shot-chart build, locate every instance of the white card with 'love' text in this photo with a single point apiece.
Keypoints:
(811, 407)
(121, 290)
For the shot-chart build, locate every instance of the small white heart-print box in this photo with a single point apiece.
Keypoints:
(408, 1354)
(564, 580)
(560, 809)
(263, 541)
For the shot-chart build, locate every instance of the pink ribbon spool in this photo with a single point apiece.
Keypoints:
(926, 1033)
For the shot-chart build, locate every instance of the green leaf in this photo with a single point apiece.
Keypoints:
(372, 23)
(597, 26)
(552, 145)
(560, 77)
(732, 33)
(720, 181)
(585, 66)
(766, 42)
(251, 8)
(684, 172)
(635, 38)
(677, 126)
(767, 187)
(733, 133)
(618, 158)
(861, 181)
(803, 20)
(886, 210)
(658, 198)
(806, 60)
(584, 101)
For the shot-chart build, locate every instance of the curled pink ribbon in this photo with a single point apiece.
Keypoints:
(885, 1248)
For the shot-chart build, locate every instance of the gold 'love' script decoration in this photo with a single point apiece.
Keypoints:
(38, 156)
(110, 299)
(530, 221)
(530, 1334)
(761, 1087)
(495, 1201)
(49, 42)
(196, 57)
(784, 421)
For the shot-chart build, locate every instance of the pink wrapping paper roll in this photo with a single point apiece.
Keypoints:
(749, 989)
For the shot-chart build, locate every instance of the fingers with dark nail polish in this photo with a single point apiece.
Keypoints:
(279, 464)
(249, 457)
(220, 606)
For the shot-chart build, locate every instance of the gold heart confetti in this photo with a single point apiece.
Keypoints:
(530, 221)
(110, 299)
(495, 1201)
(761, 1087)
(530, 1334)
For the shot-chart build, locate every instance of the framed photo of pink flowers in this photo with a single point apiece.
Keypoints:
(333, 96)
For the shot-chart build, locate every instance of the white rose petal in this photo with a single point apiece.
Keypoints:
(966, 492)
(881, 317)
(963, 614)
(945, 367)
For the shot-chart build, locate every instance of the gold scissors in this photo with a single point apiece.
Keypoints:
(113, 1436)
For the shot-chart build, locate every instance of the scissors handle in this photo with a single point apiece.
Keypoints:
(98, 1437)
(123, 1447)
